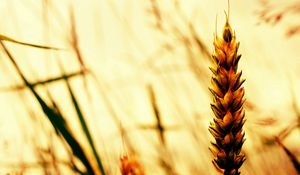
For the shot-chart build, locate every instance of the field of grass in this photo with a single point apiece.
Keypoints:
(106, 87)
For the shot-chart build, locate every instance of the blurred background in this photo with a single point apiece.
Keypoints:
(131, 78)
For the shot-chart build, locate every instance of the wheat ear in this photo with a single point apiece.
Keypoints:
(129, 165)
(227, 105)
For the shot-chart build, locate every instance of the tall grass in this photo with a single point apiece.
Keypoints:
(56, 119)
(177, 135)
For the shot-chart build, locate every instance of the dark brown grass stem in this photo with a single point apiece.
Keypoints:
(291, 156)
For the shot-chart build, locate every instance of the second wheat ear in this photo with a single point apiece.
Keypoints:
(129, 165)
(227, 104)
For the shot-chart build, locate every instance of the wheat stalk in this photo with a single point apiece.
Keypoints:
(227, 105)
(129, 165)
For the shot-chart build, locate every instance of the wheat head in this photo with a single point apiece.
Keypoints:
(227, 104)
(130, 166)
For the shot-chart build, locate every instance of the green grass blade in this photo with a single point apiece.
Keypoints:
(56, 120)
(85, 127)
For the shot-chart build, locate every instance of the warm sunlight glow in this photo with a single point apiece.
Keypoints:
(110, 87)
